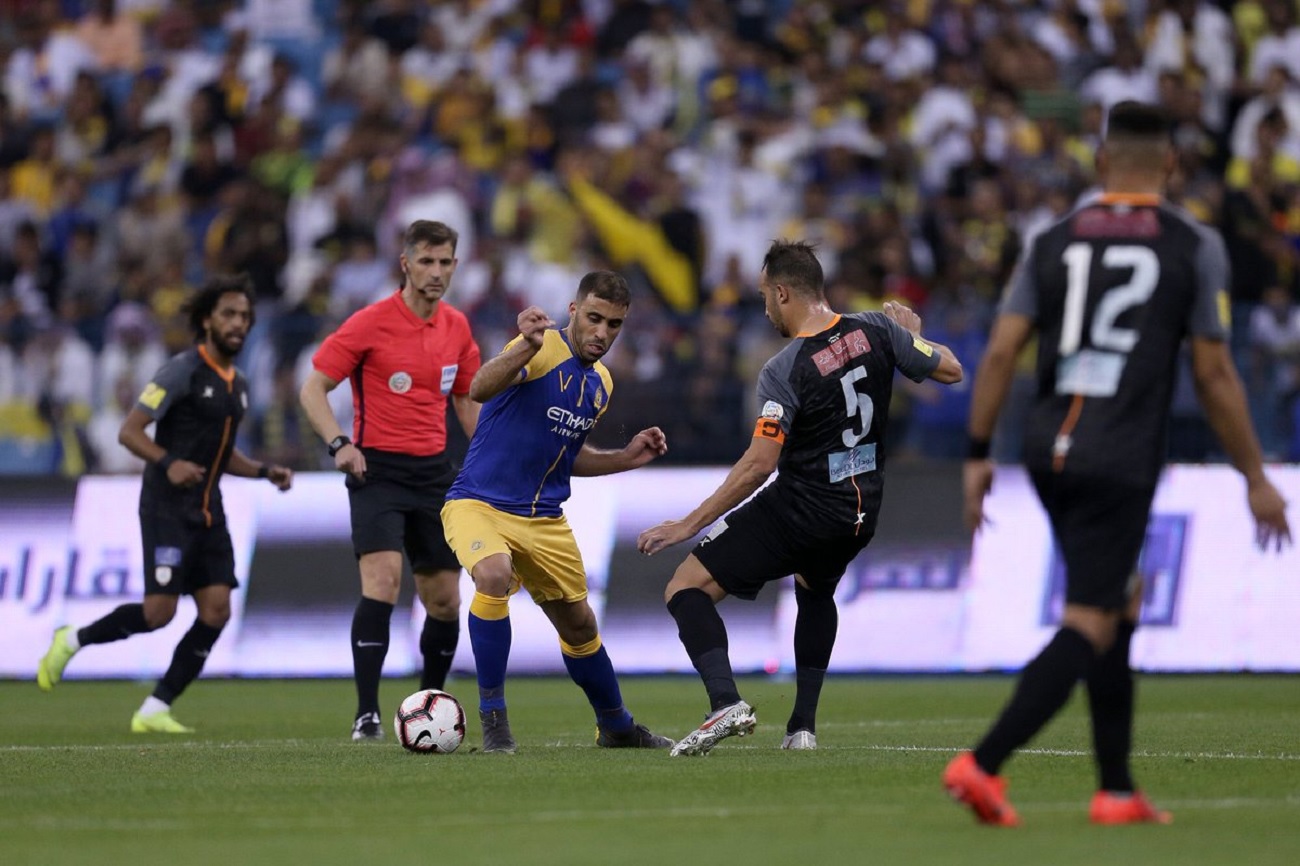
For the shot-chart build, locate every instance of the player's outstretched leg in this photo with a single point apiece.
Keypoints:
(704, 636)
(62, 648)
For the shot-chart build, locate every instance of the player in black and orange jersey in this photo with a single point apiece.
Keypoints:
(405, 356)
(197, 400)
(823, 424)
(1113, 291)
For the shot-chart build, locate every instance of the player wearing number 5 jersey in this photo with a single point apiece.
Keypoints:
(1112, 290)
(825, 404)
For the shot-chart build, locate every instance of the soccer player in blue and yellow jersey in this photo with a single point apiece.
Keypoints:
(504, 518)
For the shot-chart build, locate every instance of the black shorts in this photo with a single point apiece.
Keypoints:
(398, 507)
(1099, 526)
(759, 542)
(181, 557)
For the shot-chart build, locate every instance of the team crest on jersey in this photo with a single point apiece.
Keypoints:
(773, 410)
(599, 399)
(399, 382)
(163, 575)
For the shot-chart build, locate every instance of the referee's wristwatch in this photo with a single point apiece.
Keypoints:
(337, 443)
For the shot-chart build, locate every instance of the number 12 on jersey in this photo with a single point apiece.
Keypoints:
(1096, 371)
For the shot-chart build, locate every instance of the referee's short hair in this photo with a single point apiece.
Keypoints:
(606, 285)
(429, 232)
(201, 305)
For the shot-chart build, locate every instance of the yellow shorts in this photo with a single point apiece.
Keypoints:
(542, 550)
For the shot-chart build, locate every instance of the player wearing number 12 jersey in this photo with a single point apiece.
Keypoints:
(1112, 290)
(825, 402)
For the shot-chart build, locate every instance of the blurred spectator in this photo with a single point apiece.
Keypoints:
(107, 456)
(31, 277)
(115, 40)
(357, 69)
(1275, 338)
(132, 351)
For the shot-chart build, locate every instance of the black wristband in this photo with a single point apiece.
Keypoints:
(165, 462)
(337, 443)
(264, 471)
(977, 449)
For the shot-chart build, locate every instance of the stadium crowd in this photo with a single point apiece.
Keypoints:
(145, 144)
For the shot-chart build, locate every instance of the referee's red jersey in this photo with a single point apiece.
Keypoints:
(402, 368)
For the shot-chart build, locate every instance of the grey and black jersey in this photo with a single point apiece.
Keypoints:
(826, 396)
(1113, 289)
(197, 407)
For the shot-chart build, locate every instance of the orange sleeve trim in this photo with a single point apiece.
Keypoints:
(766, 428)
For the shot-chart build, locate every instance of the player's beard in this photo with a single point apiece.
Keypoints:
(226, 347)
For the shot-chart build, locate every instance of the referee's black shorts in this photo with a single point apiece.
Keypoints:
(398, 507)
(761, 542)
(1099, 525)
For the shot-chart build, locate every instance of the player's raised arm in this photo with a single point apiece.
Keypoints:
(504, 370)
(949, 371)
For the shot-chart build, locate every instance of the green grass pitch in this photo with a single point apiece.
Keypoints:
(272, 778)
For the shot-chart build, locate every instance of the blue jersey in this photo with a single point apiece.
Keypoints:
(528, 436)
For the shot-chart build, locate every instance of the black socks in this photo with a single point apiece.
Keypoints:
(369, 647)
(187, 661)
(438, 641)
(704, 636)
(1110, 701)
(1045, 685)
(118, 624)
(815, 626)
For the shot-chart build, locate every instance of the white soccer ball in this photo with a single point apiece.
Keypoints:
(430, 721)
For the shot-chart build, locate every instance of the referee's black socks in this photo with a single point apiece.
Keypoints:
(704, 636)
(369, 647)
(1044, 687)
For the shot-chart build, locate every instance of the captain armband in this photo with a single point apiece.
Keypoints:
(769, 428)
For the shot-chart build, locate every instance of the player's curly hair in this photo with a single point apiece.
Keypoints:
(201, 305)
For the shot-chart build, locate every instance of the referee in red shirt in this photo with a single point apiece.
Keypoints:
(403, 355)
